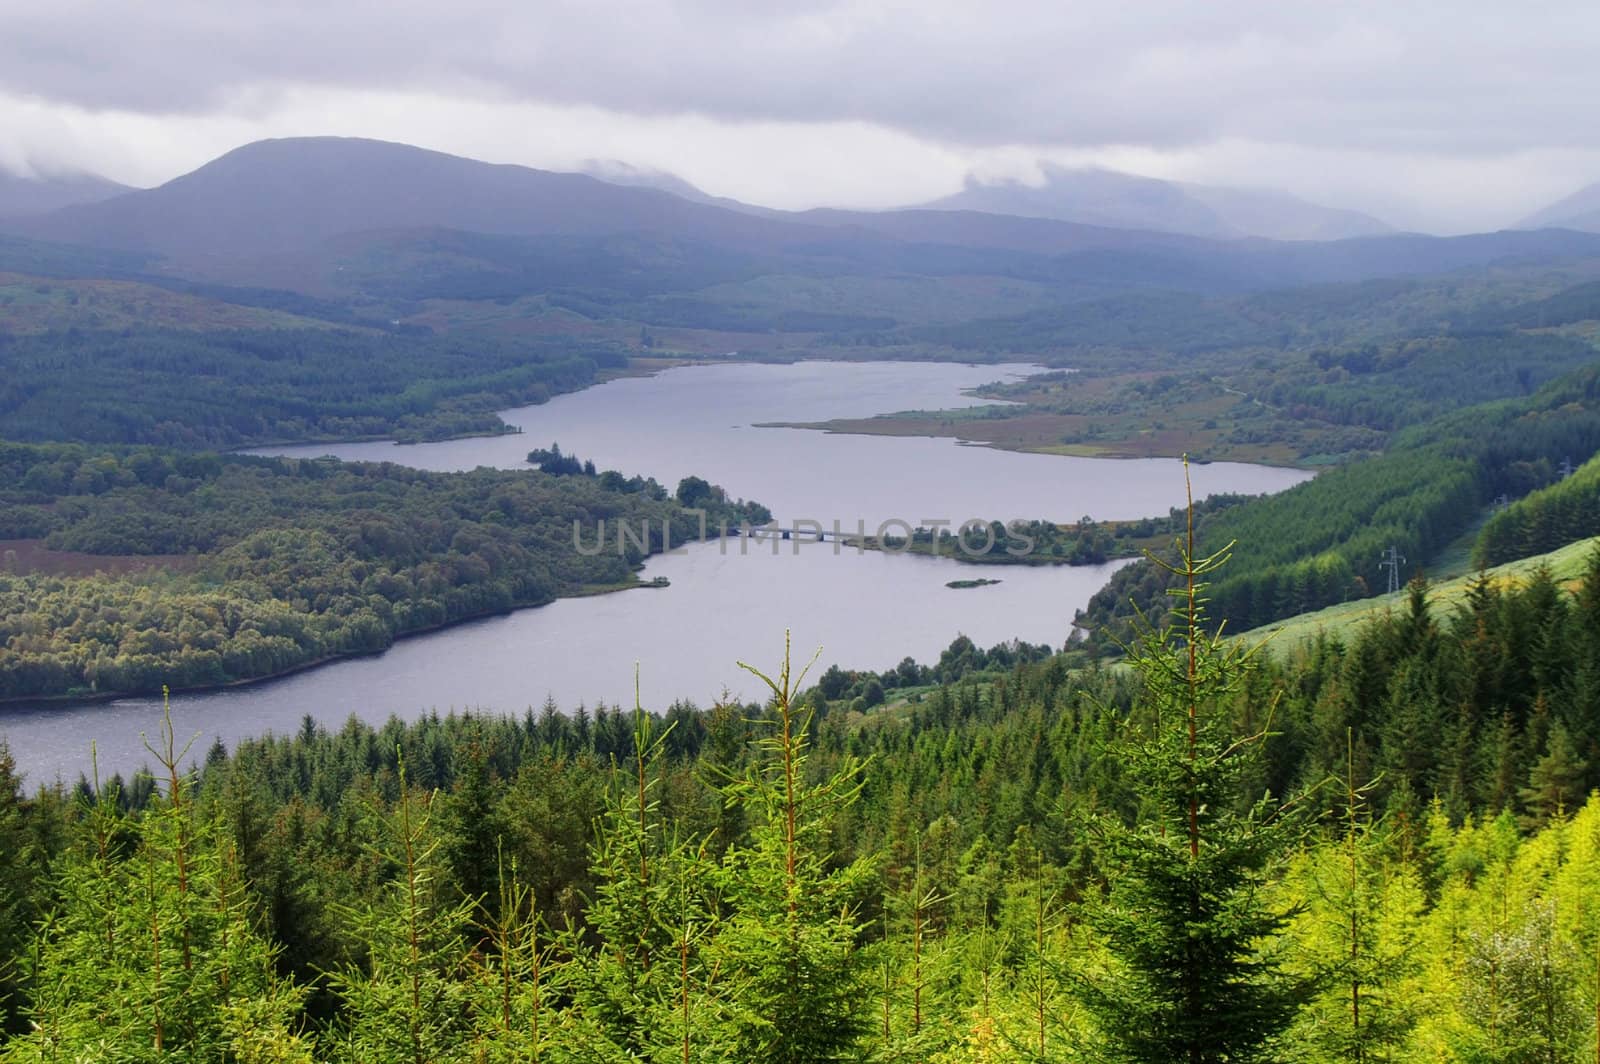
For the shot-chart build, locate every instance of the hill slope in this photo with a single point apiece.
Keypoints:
(276, 196)
(305, 214)
(1281, 216)
(1108, 198)
(38, 195)
(41, 304)
(1581, 210)
(1566, 565)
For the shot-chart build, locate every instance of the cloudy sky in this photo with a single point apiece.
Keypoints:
(1443, 116)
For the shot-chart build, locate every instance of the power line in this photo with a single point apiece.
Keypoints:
(1392, 560)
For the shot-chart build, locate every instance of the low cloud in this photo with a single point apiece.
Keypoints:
(819, 102)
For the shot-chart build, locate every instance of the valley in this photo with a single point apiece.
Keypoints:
(720, 594)
(327, 731)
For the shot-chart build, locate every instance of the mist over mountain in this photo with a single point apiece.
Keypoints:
(1581, 210)
(333, 216)
(1105, 197)
(617, 172)
(28, 195)
(1278, 215)
(1092, 197)
(321, 198)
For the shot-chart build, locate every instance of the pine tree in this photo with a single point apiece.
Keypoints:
(1359, 929)
(646, 990)
(689, 1023)
(790, 947)
(1192, 975)
(518, 979)
(1555, 783)
(18, 894)
(921, 965)
(1583, 679)
(1036, 1020)
(1521, 995)
(153, 953)
(470, 826)
(408, 1001)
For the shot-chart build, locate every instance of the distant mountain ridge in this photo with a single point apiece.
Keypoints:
(311, 215)
(22, 196)
(1581, 210)
(1278, 215)
(277, 196)
(617, 172)
(277, 210)
(1106, 197)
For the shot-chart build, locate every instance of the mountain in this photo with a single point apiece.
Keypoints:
(21, 196)
(1581, 210)
(283, 197)
(1280, 216)
(305, 213)
(1093, 197)
(278, 196)
(1108, 198)
(617, 172)
(339, 218)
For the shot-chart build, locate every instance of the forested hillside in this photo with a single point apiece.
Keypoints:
(1322, 542)
(375, 232)
(289, 562)
(1543, 520)
(230, 387)
(1306, 772)
(1385, 843)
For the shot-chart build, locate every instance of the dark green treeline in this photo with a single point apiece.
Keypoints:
(1392, 859)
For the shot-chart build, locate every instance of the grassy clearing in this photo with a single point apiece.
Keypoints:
(1282, 638)
(1456, 559)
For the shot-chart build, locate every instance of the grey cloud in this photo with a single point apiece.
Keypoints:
(1459, 78)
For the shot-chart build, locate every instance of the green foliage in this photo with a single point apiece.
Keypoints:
(151, 952)
(1579, 303)
(1193, 973)
(790, 947)
(649, 988)
(969, 877)
(1359, 922)
(1321, 542)
(406, 1001)
(228, 388)
(18, 890)
(296, 561)
(1543, 520)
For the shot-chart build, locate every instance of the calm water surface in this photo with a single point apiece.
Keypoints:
(864, 610)
(701, 420)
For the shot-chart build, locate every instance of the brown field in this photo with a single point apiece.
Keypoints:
(1110, 415)
(1045, 433)
(40, 304)
(31, 556)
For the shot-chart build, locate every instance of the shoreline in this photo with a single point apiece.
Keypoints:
(604, 377)
(639, 366)
(1113, 451)
(654, 366)
(956, 554)
(45, 703)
